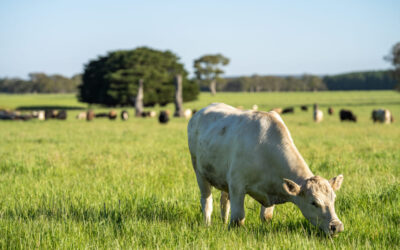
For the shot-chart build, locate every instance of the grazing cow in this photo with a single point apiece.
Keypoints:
(81, 116)
(304, 108)
(330, 111)
(152, 113)
(288, 110)
(112, 115)
(382, 116)
(318, 115)
(50, 114)
(347, 115)
(62, 115)
(124, 115)
(90, 115)
(187, 113)
(247, 152)
(255, 107)
(163, 118)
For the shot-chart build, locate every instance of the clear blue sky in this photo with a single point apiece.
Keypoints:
(263, 37)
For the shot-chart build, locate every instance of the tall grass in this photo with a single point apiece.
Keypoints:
(115, 184)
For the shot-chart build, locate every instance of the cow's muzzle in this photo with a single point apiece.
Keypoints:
(335, 227)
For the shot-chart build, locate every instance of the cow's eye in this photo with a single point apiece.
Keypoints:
(315, 204)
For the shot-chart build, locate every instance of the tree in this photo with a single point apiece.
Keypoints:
(113, 79)
(394, 58)
(207, 69)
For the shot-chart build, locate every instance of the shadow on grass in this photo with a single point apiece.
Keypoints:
(48, 107)
(149, 209)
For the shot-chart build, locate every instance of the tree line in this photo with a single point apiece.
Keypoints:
(368, 80)
(40, 83)
(113, 79)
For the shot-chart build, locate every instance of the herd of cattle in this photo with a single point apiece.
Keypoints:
(378, 115)
(163, 117)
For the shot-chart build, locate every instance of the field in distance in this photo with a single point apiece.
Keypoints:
(116, 184)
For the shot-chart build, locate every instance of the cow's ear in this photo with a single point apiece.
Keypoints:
(336, 182)
(291, 187)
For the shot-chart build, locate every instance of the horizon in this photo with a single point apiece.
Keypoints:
(263, 38)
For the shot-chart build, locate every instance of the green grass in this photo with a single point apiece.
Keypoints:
(115, 184)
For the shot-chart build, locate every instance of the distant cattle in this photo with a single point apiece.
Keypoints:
(152, 113)
(124, 115)
(318, 115)
(255, 107)
(187, 113)
(41, 115)
(50, 114)
(304, 108)
(163, 118)
(330, 111)
(347, 115)
(62, 115)
(90, 115)
(145, 114)
(112, 115)
(382, 116)
(288, 110)
(252, 153)
(81, 116)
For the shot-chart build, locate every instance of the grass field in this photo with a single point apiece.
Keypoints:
(114, 184)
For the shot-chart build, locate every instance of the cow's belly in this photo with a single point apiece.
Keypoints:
(214, 171)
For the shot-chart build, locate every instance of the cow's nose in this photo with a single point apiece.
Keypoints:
(336, 227)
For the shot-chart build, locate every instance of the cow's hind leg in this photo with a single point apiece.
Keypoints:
(206, 198)
(225, 206)
(266, 213)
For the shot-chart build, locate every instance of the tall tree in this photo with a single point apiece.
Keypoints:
(208, 69)
(113, 79)
(394, 58)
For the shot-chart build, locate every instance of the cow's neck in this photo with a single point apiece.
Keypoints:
(298, 169)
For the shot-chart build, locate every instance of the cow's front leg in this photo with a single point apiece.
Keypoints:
(266, 213)
(237, 207)
(206, 198)
(225, 206)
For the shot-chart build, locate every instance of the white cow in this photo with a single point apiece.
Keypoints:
(382, 115)
(247, 152)
(318, 115)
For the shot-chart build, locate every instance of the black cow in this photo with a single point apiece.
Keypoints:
(163, 118)
(304, 108)
(288, 110)
(347, 115)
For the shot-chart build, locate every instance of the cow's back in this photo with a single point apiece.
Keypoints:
(225, 141)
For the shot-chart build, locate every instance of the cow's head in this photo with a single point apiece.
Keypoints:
(316, 200)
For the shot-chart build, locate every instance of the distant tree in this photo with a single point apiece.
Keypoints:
(394, 58)
(113, 79)
(208, 69)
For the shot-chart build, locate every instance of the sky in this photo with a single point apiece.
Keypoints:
(260, 37)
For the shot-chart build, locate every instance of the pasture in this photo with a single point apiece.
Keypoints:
(116, 184)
